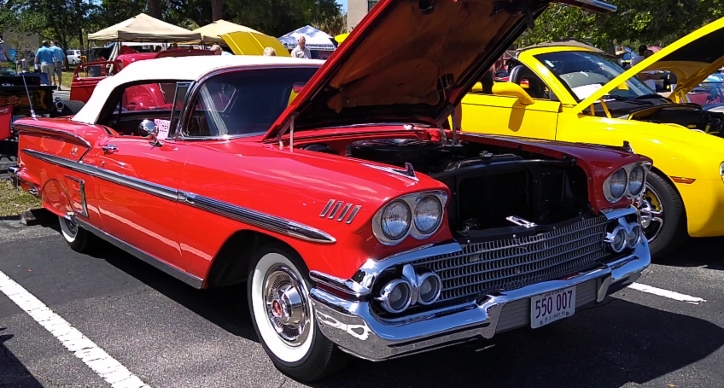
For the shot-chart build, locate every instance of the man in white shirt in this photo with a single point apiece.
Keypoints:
(301, 51)
(648, 77)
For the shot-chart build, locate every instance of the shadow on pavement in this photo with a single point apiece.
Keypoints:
(608, 345)
(602, 346)
(12, 372)
(697, 252)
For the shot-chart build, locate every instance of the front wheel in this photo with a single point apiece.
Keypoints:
(283, 316)
(663, 216)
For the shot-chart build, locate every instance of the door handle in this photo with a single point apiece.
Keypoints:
(109, 149)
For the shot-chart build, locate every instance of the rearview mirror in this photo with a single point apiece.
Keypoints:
(513, 90)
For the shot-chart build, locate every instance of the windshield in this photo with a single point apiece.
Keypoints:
(585, 72)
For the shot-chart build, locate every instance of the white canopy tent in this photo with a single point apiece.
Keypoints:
(316, 39)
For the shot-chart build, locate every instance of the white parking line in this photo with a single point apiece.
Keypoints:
(93, 356)
(666, 293)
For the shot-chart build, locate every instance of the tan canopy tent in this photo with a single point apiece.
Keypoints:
(211, 33)
(145, 28)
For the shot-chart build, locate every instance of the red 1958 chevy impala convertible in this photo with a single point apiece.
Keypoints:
(359, 225)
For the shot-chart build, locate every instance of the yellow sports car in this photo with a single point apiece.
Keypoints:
(579, 94)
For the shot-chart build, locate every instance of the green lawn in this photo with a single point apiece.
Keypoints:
(15, 201)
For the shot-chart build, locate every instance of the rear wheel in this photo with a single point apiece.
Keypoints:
(79, 239)
(663, 216)
(283, 317)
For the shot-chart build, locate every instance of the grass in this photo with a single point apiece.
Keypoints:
(15, 201)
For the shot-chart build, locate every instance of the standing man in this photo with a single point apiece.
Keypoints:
(216, 49)
(59, 57)
(301, 51)
(44, 57)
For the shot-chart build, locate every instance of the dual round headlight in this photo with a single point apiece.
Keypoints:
(416, 214)
(628, 180)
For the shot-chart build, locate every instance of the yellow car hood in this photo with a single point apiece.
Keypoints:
(252, 43)
(692, 58)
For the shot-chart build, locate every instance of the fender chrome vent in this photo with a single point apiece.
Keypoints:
(340, 210)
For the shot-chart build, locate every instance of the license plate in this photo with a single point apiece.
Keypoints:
(552, 306)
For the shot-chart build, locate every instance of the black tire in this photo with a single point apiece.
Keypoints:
(316, 357)
(77, 238)
(71, 107)
(673, 230)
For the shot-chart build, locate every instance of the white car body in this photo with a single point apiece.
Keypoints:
(73, 56)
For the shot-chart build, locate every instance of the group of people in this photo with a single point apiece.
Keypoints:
(49, 58)
(300, 51)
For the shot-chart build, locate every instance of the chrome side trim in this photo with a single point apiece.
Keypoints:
(178, 273)
(13, 170)
(81, 190)
(123, 180)
(334, 212)
(265, 221)
(238, 213)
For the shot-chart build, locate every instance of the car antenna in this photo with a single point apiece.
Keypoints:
(30, 100)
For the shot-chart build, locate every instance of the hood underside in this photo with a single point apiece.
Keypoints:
(412, 61)
(691, 58)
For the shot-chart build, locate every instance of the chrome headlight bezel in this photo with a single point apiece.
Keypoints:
(411, 200)
(627, 193)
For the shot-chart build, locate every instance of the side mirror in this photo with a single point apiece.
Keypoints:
(513, 90)
(148, 129)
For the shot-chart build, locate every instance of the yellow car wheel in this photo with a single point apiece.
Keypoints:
(662, 216)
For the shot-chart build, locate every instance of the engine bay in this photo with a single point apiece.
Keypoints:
(691, 116)
(489, 185)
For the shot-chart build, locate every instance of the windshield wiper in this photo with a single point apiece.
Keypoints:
(626, 99)
(650, 95)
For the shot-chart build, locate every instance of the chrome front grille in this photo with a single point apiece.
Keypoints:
(512, 263)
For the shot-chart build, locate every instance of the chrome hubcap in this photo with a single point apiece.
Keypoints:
(652, 214)
(286, 306)
(71, 227)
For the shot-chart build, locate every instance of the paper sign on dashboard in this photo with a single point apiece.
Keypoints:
(582, 92)
(163, 127)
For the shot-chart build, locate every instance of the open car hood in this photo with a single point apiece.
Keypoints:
(252, 43)
(412, 61)
(692, 58)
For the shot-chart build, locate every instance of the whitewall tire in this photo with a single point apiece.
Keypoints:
(283, 316)
(79, 239)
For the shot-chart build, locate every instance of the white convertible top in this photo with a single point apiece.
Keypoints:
(190, 68)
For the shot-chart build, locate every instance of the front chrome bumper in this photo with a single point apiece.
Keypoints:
(355, 328)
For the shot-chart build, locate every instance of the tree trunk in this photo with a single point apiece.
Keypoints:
(217, 10)
(154, 8)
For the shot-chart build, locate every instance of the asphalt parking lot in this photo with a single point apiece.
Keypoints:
(167, 334)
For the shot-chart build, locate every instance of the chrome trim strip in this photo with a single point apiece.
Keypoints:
(353, 215)
(344, 212)
(13, 170)
(123, 180)
(326, 208)
(248, 216)
(603, 6)
(265, 221)
(83, 203)
(335, 209)
(178, 273)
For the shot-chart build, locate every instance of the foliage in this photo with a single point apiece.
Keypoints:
(652, 22)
